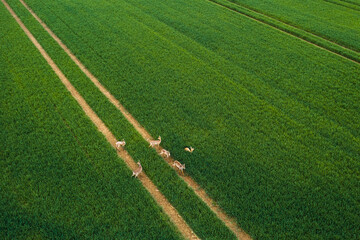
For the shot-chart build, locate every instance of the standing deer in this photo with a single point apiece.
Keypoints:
(137, 171)
(154, 143)
(189, 149)
(180, 166)
(120, 144)
(165, 153)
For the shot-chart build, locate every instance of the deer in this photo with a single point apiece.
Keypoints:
(137, 171)
(189, 149)
(180, 166)
(120, 144)
(154, 143)
(165, 153)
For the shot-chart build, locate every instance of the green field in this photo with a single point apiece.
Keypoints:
(303, 21)
(275, 121)
(58, 176)
(335, 20)
(195, 212)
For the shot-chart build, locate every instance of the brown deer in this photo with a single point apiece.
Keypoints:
(120, 144)
(154, 143)
(180, 166)
(165, 153)
(137, 171)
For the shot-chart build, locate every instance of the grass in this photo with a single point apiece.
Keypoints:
(348, 4)
(59, 178)
(312, 37)
(334, 20)
(274, 121)
(192, 209)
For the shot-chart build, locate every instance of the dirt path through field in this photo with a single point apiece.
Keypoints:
(230, 223)
(174, 216)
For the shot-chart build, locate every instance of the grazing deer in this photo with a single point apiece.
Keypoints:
(154, 143)
(180, 166)
(120, 144)
(137, 171)
(165, 153)
(189, 149)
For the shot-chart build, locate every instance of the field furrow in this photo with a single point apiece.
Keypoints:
(336, 23)
(308, 37)
(344, 4)
(354, 2)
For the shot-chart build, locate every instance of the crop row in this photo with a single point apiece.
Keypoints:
(192, 209)
(274, 121)
(323, 18)
(345, 4)
(58, 176)
(354, 2)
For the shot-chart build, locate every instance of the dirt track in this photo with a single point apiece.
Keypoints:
(230, 223)
(174, 216)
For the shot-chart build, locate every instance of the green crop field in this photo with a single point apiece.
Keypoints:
(59, 179)
(335, 20)
(274, 120)
(195, 212)
(300, 22)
